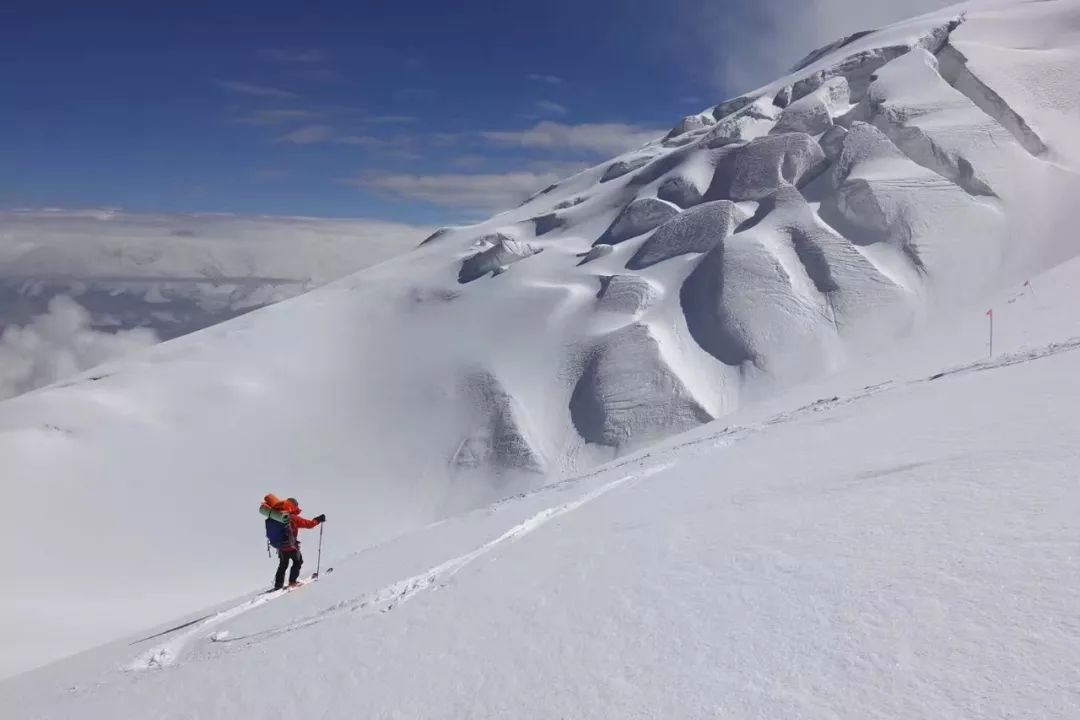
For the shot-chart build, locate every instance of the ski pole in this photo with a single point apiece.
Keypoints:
(318, 560)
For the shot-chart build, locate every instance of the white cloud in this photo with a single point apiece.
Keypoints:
(60, 343)
(368, 141)
(274, 117)
(389, 119)
(94, 247)
(596, 138)
(308, 135)
(243, 88)
(543, 78)
(293, 57)
(414, 95)
(551, 108)
(488, 192)
(745, 48)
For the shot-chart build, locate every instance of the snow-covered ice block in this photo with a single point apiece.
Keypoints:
(499, 439)
(628, 393)
(637, 218)
(696, 230)
(757, 169)
(814, 113)
(629, 294)
(621, 167)
(680, 191)
(502, 251)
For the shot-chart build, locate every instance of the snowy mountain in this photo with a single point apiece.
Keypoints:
(888, 181)
(896, 542)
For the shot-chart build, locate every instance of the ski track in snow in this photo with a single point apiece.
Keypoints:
(382, 600)
(166, 653)
(387, 598)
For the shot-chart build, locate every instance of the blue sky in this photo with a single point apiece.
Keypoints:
(424, 111)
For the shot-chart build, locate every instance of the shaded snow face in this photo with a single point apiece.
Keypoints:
(770, 240)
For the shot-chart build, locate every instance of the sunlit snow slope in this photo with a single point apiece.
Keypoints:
(899, 542)
(765, 242)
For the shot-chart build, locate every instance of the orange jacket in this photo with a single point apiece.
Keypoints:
(295, 524)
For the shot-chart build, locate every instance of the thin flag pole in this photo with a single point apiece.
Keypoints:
(990, 314)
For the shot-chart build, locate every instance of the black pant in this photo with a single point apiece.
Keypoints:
(284, 556)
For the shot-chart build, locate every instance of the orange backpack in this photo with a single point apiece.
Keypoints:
(273, 502)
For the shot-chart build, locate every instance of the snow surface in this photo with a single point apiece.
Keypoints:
(422, 388)
(902, 548)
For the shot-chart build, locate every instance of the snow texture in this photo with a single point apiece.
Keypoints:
(888, 553)
(921, 528)
(628, 393)
(499, 252)
(758, 168)
(629, 294)
(595, 252)
(697, 230)
(638, 218)
(680, 191)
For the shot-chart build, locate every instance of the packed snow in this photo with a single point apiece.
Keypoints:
(901, 541)
(876, 553)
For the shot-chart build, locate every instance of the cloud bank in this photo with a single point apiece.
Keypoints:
(745, 46)
(58, 344)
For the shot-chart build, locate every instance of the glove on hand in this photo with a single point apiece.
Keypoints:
(320, 519)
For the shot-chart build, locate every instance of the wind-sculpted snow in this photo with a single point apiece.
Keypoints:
(638, 218)
(730, 107)
(680, 191)
(893, 178)
(697, 230)
(904, 122)
(814, 113)
(546, 223)
(622, 167)
(832, 142)
(499, 438)
(595, 252)
(749, 122)
(627, 294)
(759, 168)
(761, 298)
(915, 221)
(858, 68)
(498, 251)
(954, 68)
(821, 52)
(628, 394)
(690, 123)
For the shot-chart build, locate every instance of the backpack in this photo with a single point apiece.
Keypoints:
(278, 532)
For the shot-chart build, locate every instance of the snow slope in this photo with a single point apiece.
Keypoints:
(766, 242)
(902, 548)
